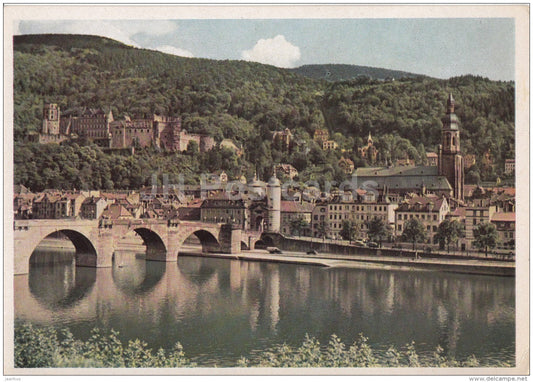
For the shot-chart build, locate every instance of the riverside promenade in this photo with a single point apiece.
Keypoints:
(470, 266)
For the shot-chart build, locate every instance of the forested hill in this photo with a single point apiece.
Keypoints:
(242, 101)
(340, 72)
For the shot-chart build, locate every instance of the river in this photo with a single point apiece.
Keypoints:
(221, 309)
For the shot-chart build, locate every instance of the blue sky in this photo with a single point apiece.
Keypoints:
(439, 48)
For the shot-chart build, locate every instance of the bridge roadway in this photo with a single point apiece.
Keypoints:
(95, 241)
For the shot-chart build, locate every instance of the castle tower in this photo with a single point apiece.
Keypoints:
(51, 116)
(274, 204)
(450, 160)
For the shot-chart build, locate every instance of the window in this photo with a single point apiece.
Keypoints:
(399, 227)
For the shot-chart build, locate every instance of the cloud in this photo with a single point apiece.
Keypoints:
(123, 31)
(175, 51)
(274, 51)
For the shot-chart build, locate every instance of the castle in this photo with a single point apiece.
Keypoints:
(99, 127)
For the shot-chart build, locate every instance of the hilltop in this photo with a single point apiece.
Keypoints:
(340, 72)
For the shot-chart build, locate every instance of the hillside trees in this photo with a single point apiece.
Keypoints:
(245, 102)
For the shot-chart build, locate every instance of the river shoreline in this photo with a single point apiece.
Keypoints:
(471, 266)
(478, 267)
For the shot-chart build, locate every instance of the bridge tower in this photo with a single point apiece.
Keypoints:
(274, 204)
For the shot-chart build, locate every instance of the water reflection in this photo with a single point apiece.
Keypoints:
(138, 276)
(62, 284)
(223, 309)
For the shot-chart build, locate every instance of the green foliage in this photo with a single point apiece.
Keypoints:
(298, 225)
(43, 347)
(37, 347)
(245, 102)
(349, 230)
(449, 231)
(414, 232)
(485, 237)
(378, 229)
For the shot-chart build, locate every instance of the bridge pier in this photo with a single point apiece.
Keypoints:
(230, 239)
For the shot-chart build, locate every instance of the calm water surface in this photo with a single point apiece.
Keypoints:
(221, 310)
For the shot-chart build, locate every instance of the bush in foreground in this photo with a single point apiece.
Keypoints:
(37, 347)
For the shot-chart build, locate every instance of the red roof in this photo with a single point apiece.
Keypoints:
(296, 207)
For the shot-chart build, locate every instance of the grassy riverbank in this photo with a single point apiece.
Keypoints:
(45, 347)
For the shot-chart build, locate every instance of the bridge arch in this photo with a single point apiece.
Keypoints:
(86, 254)
(155, 246)
(208, 240)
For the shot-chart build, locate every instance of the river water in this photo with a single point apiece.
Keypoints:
(220, 310)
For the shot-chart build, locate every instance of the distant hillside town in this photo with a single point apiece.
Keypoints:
(389, 198)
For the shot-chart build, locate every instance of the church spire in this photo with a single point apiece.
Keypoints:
(451, 104)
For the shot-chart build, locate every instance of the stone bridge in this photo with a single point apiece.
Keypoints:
(95, 241)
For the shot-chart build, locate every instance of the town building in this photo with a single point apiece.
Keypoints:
(432, 159)
(329, 145)
(320, 136)
(469, 160)
(369, 152)
(509, 166)
(361, 210)
(479, 211)
(319, 225)
(283, 139)
(430, 211)
(93, 207)
(505, 223)
(222, 208)
(346, 165)
(295, 211)
(286, 170)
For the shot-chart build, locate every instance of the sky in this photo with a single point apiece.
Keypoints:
(440, 48)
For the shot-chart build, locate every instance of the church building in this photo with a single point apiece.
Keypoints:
(445, 179)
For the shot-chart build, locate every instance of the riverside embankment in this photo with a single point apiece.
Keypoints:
(469, 266)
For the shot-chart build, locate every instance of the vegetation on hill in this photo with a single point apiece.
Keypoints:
(340, 72)
(245, 102)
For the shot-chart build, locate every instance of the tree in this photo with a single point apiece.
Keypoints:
(378, 229)
(298, 225)
(192, 148)
(349, 230)
(322, 229)
(449, 231)
(485, 237)
(414, 232)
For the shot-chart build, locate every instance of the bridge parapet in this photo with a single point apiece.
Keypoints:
(95, 240)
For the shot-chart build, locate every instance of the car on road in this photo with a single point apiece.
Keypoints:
(312, 252)
(274, 250)
(372, 244)
(360, 243)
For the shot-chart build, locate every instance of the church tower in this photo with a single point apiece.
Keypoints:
(450, 160)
